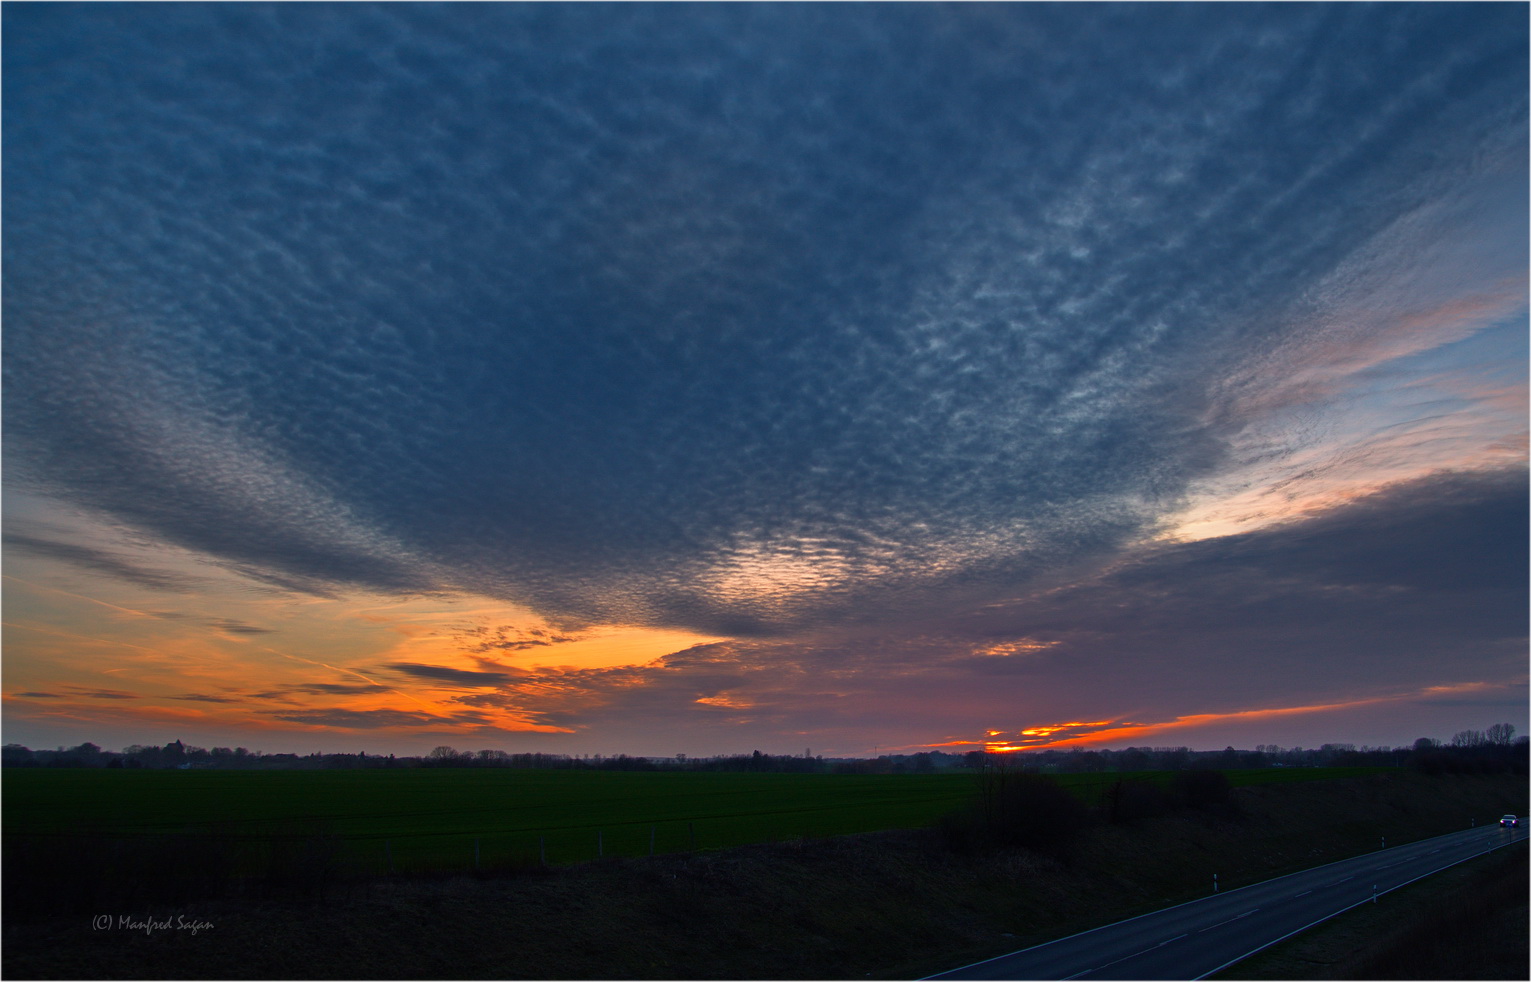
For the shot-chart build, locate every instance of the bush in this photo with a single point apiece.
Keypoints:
(1128, 802)
(1018, 810)
(1206, 791)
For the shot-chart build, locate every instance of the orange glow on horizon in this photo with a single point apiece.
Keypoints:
(1129, 731)
(1120, 730)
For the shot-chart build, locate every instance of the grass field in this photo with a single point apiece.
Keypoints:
(894, 905)
(426, 819)
(422, 819)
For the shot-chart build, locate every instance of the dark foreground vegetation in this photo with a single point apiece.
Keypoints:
(1022, 863)
(1476, 930)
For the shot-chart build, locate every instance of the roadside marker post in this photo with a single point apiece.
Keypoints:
(1214, 882)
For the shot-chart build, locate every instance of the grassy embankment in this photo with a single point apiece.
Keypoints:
(1468, 922)
(883, 905)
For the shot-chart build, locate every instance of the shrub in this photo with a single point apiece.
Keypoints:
(1017, 810)
(1128, 802)
(1206, 791)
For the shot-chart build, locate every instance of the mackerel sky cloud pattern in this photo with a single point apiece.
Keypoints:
(863, 343)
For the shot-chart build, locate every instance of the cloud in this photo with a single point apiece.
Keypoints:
(1441, 536)
(90, 693)
(38, 695)
(1124, 731)
(452, 676)
(101, 561)
(232, 626)
(1360, 608)
(362, 719)
(882, 317)
(318, 688)
(202, 697)
(905, 354)
(511, 638)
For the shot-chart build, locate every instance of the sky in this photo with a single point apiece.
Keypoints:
(845, 379)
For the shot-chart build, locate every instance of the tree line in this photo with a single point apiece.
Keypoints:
(1495, 749)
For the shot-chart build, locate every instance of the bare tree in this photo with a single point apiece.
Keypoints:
(441, 756)
(1500, 734)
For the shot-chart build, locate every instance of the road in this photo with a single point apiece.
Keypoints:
(1194, 940)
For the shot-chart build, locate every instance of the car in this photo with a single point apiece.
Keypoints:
(1510, 822)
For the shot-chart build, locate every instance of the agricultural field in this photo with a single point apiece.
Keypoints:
(440, 819)
(429, 819)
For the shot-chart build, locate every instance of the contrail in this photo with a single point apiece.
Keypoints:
(348, 671)
(79, 637)
(77, 596)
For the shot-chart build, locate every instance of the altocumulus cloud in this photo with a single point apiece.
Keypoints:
(742, 318)
(101, 561)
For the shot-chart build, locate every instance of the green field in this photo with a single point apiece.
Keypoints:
(423, 819)
(433, 818)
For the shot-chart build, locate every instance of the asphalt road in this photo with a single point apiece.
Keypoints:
(1194, 940)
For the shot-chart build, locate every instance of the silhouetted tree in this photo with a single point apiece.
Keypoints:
(443, 756)
(1500, 734)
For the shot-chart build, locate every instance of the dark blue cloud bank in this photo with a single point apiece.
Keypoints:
(743, 318)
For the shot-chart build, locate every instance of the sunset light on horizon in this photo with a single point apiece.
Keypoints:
(664, 378)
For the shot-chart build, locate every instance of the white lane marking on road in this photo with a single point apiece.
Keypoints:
(1342, 910)
(1229, 920)
(1135, 954)
(1303, 894)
